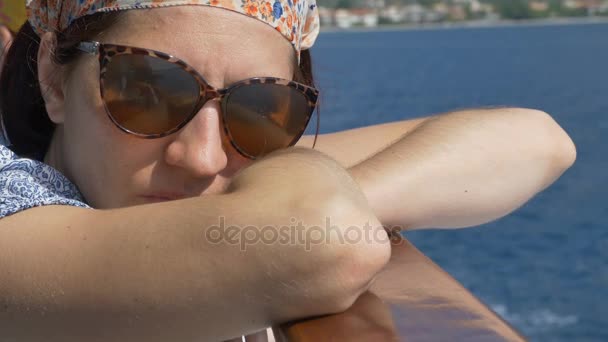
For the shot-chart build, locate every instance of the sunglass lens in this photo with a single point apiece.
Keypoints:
(262, 118)
(148, 95)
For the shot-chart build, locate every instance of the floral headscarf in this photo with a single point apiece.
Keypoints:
(296, 20)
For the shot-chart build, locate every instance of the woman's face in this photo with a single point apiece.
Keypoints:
(114, 169)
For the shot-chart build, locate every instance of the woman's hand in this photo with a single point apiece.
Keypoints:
(198, 284)
(313, 191)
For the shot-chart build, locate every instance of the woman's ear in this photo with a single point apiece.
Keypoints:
(50, 77)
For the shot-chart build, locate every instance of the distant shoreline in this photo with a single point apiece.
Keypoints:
(471, 24)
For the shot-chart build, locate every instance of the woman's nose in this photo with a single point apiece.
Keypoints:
(199, 147)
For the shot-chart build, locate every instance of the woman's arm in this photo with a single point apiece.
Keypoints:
(162, 272)
(454, 170)
(353, 146)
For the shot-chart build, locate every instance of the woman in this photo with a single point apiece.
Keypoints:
(182, 156)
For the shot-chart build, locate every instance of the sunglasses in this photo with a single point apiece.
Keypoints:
(151, 94)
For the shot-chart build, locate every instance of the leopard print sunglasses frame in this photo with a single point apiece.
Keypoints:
(106, 52)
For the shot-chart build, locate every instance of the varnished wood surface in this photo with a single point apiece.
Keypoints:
(413, 299)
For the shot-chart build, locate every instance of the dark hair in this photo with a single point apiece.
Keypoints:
(22, 111)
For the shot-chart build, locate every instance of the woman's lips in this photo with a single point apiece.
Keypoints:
(162, 197)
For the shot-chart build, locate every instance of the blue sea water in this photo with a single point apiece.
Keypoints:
(544, 268)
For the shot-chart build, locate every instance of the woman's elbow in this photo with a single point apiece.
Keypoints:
(548, 139)
(557, 143)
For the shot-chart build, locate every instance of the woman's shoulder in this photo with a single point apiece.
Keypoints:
(27, 183)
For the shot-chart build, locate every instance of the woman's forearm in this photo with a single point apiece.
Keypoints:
(465, 168)
(164, 272)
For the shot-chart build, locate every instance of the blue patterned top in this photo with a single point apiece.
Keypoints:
(27, 183)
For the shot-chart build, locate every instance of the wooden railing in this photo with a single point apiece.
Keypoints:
(413, 299)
